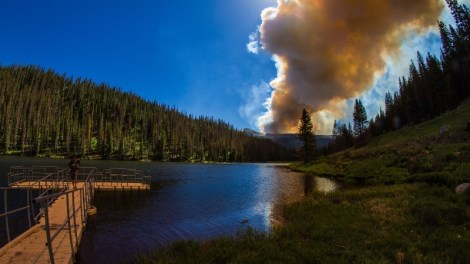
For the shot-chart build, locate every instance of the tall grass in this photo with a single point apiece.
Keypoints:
(383, 224)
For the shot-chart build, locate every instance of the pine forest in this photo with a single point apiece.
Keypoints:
(47, 114)
(434, 86)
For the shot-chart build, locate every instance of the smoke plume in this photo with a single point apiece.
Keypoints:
(327, 51)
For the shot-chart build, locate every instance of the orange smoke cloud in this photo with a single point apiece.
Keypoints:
(328, 51)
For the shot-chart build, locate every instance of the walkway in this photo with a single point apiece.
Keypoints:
(31, 246)
(56, 234)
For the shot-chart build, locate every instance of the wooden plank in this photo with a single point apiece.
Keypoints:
(32, 248)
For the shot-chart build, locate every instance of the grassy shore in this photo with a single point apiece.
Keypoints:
(403, 208)
(411, 223)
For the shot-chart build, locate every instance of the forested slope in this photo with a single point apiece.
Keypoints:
(435, 85)
(44, 113)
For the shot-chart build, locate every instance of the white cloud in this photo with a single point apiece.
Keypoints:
(254, 102)
(253, 45)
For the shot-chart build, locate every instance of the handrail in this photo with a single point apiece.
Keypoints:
(123, 176)
(67, 221)
(85, 196)
(37, 175)
(54, 182)
(44, 193)
(29, 208)
(57, 177)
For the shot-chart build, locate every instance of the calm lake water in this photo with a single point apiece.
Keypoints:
(187, 201)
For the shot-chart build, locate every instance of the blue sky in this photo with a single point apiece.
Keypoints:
(190, 54)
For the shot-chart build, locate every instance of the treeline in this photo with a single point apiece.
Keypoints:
(43, 113)
(434, 86)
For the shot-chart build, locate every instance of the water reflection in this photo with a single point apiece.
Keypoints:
(187, 201)
(292, 187)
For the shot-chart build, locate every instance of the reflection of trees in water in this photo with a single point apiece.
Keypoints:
(308, 184)
(292, 187)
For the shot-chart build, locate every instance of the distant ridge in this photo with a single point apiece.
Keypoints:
(288, 140)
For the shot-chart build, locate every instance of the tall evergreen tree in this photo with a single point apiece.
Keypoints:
(389, 112)
(307, 135)
(359, 118)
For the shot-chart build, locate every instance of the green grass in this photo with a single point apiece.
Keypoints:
(405, 155)
(411, 223)
(405, 210)
(454, 120)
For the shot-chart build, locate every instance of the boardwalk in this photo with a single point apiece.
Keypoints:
(55, 236)
(31, 247)
(99, 186)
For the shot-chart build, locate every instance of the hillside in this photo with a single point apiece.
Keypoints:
(47, 114)
(436, 150)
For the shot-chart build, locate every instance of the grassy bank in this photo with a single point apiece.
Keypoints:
(437, 151)
(404, 209)
(412, 223)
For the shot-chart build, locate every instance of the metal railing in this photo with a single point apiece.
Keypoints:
(58, 178)
(37, 176)
(56, 182)
(87, 176)
(122, 177)
(6, 212)
(76, 207)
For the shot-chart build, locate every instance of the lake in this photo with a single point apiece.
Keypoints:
(187, 201)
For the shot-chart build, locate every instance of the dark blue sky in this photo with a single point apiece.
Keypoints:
(190, 54)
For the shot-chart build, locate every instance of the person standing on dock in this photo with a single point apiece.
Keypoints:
(73, 166)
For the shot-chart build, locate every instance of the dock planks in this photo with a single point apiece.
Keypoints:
(31, 246)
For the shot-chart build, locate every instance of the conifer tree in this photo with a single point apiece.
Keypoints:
(307, 135)
(49, 114)
(359, 118)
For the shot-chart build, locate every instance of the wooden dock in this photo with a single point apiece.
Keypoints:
(55, 236)
(31, 246)
(98, 186)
